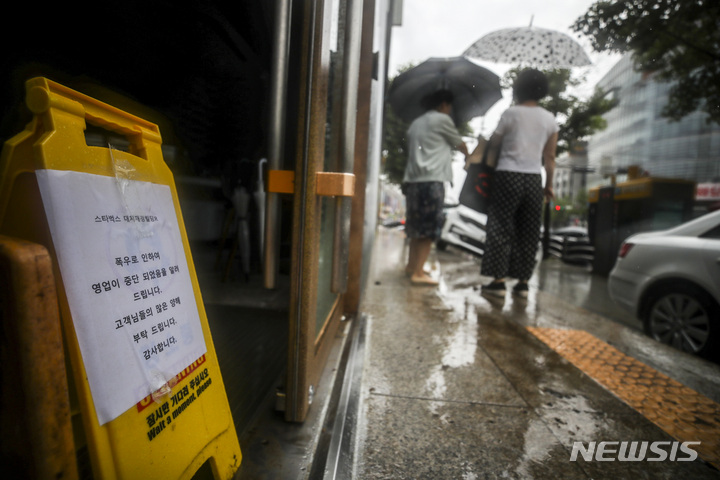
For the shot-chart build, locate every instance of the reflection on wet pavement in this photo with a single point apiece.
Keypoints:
(455, 386)
(680, 411)
(577, 285)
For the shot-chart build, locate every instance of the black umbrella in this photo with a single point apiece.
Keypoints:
(475, 88)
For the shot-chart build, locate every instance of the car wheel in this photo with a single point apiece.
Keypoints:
(686, 318)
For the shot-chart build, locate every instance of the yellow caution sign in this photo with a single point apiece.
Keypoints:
(144, 376)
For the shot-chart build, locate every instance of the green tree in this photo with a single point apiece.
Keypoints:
(679, 40)
(584, 118)
(394, 146)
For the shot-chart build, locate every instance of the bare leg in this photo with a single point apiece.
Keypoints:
(412, 257)
(419, 252)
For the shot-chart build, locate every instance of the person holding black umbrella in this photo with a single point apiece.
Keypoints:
(524, 140)
(431, 140)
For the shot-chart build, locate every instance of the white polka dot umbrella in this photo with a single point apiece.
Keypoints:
(530, 46)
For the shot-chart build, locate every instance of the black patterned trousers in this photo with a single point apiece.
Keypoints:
(513, 229)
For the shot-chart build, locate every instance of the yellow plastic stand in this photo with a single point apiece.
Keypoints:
(168, 435)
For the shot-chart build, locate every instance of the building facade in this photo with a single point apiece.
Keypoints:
(637, 134)
(571, 172)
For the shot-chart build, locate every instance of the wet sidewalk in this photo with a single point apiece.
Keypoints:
(454, 386)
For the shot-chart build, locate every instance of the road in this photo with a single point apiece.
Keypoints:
(577, 285)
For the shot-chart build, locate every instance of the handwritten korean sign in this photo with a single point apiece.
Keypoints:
(127, 282)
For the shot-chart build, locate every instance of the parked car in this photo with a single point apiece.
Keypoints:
(465, 228)
(571, 245)
(671, 280)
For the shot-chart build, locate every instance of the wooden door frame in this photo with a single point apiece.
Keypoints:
(305, 347)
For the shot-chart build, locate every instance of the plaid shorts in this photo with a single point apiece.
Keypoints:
(424, 214)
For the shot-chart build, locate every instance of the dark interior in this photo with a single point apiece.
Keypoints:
(201, 71)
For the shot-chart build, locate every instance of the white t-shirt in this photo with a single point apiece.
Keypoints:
(525, 131)
(431, 139)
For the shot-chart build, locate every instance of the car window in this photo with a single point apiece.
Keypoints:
(713, 233)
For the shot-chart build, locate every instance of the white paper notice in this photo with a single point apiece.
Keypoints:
(127, 282)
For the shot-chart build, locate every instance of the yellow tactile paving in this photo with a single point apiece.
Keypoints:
(683, 413)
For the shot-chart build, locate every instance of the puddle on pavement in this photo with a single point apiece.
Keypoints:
(459, 345)
(565, 416)
(536, 448)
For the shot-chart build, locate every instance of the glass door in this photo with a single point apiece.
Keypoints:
(322, 186)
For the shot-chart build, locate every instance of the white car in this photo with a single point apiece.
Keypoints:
(464, 227)
(671, 280)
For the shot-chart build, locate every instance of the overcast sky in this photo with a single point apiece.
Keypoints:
(446, 28)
